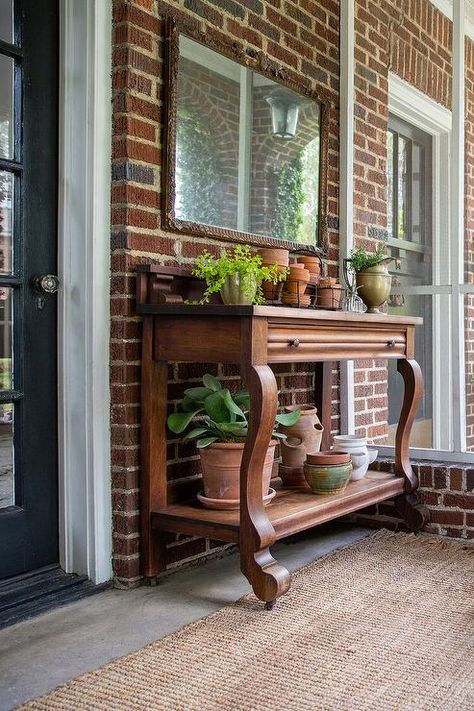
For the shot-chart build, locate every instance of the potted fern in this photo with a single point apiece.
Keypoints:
(236, 275)
(373, 281)
(220, 438)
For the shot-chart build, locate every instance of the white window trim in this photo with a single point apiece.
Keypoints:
(84, 302)
(413, 106)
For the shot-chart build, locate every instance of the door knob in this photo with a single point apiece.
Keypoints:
(46, 284)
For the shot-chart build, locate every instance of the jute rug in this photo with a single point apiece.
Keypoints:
(385, 624)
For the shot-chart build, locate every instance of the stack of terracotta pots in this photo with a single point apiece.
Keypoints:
(313, 265)
(329, 293)
(272, 292)
(295, 287)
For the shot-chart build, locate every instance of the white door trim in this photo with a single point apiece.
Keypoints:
(415, 107)
(84, 301)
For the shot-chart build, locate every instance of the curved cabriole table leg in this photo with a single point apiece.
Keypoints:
(268, 578)
(407, 504)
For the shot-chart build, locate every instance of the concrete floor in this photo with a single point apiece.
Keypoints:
(39, 654)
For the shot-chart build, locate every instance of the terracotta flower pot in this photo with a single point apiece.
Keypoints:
(329, 297)
(220, 464)
(303, 438)
(274, 256)
(312, 264)
(297, 280)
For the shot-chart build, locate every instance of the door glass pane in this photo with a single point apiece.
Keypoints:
(7, 489)
(6, 107)
(6, 221)
(402, 188)
(6, 21)
(6, 326)
(390, 183)
(417, 221)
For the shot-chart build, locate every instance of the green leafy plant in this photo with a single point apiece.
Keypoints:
(241, 261)
(361, 259)
(224, 414)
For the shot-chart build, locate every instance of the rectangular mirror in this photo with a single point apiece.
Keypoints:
(246, 155)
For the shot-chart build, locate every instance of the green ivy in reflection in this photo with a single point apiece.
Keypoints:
(197, 170)
(289, 197)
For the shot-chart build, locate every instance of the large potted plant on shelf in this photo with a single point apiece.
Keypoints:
(373, 281)
(237, 276)
(220, 438)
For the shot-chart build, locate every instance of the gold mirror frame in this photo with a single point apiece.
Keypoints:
(261, 64)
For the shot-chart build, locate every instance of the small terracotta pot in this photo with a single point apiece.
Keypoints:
(274, 256)
(220, 464)
(272, 292)
(312, 264)
(292, 476)
(329, 297)
(297, 280)
(331, 456)
(303, 438)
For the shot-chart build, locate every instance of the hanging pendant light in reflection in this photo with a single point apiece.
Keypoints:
(285, 110)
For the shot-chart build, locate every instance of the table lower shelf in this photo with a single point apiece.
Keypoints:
(292, 510)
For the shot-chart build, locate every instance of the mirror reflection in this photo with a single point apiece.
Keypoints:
(247, 149)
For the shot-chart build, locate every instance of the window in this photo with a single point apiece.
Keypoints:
(430, 281)
(409, 198)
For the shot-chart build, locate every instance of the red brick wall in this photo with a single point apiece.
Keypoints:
(410, 38)
(301, 35)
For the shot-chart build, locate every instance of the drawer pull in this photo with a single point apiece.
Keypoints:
(391, 344)
(294, 342)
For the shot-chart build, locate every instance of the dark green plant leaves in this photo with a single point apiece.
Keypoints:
(198, 394)
(288, 418)
(196, 432)
(178, 421)
(205, 442)
(211, 382)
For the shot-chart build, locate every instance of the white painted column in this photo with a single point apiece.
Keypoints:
(346, 206)
(457, 228)
(85, 120)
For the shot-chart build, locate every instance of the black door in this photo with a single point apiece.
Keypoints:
(28, 249)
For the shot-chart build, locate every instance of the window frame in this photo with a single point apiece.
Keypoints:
(411, 105)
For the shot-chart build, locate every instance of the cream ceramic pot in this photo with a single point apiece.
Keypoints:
(361, 456)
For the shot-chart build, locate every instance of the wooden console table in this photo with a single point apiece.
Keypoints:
(255, 337)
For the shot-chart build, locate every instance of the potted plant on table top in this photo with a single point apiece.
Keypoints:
(236, 275)
(220, 438)
(373, 281)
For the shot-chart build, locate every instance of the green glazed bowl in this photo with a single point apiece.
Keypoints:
(327, 479)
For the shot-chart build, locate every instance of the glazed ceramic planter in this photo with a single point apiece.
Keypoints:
(302, 438)
(373, 285)
(328, 472)
(361, 457)
(233, 291)
(220, 464)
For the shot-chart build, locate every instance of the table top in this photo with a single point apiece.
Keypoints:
(273, 313)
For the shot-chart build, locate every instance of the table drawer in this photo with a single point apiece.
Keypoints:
(288, 343)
